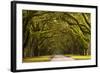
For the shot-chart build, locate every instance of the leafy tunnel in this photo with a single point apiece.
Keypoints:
(50, 33)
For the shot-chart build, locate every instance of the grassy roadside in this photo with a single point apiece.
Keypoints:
(37, 59)
(79, 57)
(48, 58)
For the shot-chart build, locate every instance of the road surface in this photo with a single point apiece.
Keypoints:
(61, 58)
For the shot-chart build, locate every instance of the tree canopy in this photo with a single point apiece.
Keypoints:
(50, 33)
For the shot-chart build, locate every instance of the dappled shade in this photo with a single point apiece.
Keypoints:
(53, 33)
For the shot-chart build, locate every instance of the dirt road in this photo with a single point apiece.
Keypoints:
(61, 58)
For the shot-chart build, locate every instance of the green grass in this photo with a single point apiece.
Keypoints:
(79, 57)
(37, 59)
(68, 55)
(48, 58)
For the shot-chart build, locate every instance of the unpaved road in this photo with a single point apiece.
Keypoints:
(61, 58)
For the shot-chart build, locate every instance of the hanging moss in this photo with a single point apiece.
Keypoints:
(48, 33)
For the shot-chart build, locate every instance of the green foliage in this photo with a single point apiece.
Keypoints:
(49, 33)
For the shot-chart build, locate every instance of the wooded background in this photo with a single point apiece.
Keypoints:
(52, 33)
